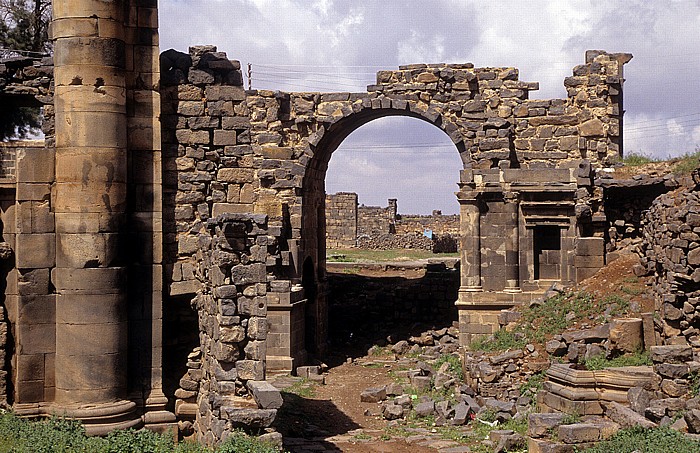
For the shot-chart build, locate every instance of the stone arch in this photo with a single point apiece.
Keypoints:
(322, 144)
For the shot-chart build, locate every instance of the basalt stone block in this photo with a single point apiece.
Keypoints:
(265, 394)
(249, 418)
(540, 424)
(671, 354)
(373, 395)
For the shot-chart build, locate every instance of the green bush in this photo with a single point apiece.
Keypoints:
(657, 440)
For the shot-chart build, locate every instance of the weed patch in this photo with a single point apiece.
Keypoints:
(657, 440)
(57, 435)
(600, 362)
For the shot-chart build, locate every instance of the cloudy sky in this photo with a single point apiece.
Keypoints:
(338, 45)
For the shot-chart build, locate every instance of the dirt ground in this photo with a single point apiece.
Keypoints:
(333, 418)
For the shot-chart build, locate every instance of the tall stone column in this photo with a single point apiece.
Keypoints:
(512, 242)
(90, 205)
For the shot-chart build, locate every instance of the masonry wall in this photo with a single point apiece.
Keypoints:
(341, 220)
(372, 220)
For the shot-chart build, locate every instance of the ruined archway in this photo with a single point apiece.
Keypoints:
(313, 230)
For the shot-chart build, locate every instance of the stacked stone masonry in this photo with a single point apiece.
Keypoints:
(670, 252)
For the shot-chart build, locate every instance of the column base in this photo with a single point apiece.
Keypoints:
(101, 418)
(471, 289)
(513, 290)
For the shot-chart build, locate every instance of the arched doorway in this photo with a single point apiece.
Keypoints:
(313, 231)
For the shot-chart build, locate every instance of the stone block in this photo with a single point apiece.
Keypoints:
(251, 369)
(626, 417)
(35, 165)
(235, 175)
(546, 446)
(590, 246)
(224, 93)
(265, 394)
(671, 354)
(589, 261)
(626, 335)
(224, 137)
(249, 418)
(579, 433)
(35, 251)
(373, 394)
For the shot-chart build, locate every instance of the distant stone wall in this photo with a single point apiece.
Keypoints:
(439, 224)
(341, 220)
(373, 220)
(379, 228)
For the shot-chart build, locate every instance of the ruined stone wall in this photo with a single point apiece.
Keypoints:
(372, 220)
(341, 220)
(670, 252)
(28, 239)
(235, 251)
(626, 202)
(439, 224)
(208, 160)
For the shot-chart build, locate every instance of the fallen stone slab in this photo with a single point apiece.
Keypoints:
(249, 418)
(425, 408)
(547, 446)
(671, 354)
(578, 433)
(625, 416)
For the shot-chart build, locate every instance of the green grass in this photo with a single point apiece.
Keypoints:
(687, 163)
(455, 365)
(657, 440)
(637, 159)
(501, 340)
(302, 388)
(533, 385)
(540, 322)
(599, 362)
(57, 435)
(378, 256)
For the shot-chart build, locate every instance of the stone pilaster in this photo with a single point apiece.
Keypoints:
(512, 242)
(470, 239)
(90, 196)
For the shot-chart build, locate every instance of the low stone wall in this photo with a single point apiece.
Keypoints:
(362, 304)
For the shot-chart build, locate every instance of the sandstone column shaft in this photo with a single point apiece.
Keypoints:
(89, 204)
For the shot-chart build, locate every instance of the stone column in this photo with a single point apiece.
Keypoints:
(470, 241)
(512, 242)
(90, 204)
